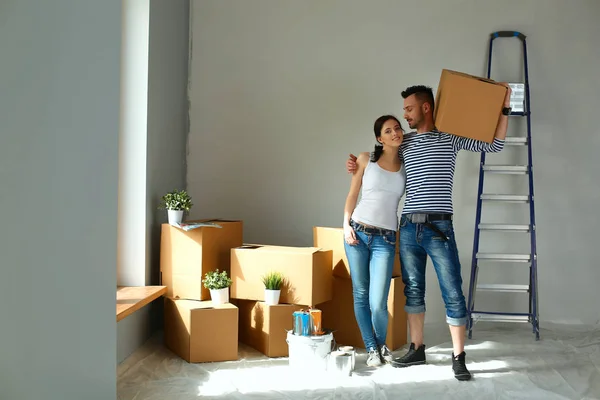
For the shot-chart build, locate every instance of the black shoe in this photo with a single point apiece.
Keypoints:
(412, 357)
(460, 369)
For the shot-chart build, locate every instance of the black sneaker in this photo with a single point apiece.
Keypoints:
(460, 369)
(412, 357)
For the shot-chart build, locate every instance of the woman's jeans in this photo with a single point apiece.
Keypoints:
(371, 263)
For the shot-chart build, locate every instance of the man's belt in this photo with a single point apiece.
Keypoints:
(421, 218)
(426, 219)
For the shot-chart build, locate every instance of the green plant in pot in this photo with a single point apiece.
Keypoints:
(176, 203)
(273, 282)
(218, 283)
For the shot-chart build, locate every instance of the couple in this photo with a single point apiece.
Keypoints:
(422, 162)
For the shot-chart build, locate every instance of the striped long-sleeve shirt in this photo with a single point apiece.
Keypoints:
(429, 160)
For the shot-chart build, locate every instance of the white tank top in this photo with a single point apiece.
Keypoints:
(380, 196)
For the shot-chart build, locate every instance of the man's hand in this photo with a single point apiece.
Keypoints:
(351, 164)
(508, 93)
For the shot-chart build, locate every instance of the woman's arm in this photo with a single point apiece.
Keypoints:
(355, 185)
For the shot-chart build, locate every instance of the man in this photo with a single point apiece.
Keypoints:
(426, 227)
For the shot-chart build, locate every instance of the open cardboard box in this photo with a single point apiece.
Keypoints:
(306, 271)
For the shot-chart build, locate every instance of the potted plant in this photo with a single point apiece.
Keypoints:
(218, 283)
(176, 202)
(272, 282)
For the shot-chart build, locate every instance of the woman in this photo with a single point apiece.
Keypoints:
(370, 234)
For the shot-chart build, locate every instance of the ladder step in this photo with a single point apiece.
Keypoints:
(507, 169)
(478, 316)
(513, 198)
(516, 141)
(518, 113)
(504, 257)
(491, 287)
(504, 227)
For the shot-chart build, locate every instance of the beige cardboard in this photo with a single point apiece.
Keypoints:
(306, 271)
(198, 331)
(333, 239)
(185, 257)
(338, 315)
(265, 327)
(468, 106)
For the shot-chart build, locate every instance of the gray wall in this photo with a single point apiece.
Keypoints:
(166, 148)
(281, 92)
(59, 113)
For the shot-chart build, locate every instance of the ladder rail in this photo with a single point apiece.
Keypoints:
(533, 279)
(533, 315)
(477, 233)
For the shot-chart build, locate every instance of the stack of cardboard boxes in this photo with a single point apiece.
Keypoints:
(195, 329)
(307, 282)
(318, 277)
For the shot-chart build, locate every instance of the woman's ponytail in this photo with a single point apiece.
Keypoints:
(377, 152)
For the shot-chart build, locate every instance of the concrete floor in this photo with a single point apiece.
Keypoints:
(506, 361)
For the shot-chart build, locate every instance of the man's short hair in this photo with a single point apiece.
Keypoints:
(421, 92)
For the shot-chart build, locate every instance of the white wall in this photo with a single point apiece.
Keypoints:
(281, 92)
(59, 113)
(159, 108)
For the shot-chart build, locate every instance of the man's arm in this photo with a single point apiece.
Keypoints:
(352, 198)
(497, 145)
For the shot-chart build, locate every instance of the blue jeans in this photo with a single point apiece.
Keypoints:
(417, 241)
(371, 264)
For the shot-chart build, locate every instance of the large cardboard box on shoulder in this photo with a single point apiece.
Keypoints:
(333, 239)
(186, 256)
(306, 271)
(265, 327)
(468, 105)
(199, 331)
(338, 315)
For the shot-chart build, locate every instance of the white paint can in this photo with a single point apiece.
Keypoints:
(350, 350)
(309, 353)
(340, 363)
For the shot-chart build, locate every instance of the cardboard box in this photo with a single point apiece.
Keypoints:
(306, 271)
(185, 257)
(197, 331)
(468, 106)
(265, 327)
(333, 239)
(338, 315)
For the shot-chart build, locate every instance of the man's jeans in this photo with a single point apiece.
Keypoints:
(371, 264)
(417, 241)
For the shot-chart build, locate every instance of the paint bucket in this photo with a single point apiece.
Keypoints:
(340, 363)
(350, 350)
(309, 353)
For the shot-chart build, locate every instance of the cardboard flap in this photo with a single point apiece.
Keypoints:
(200, 305)
(279, 249)
(479, 78)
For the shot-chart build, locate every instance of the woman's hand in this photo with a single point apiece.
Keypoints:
(349, 235)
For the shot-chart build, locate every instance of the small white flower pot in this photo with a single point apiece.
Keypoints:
(175, 216)
(272, 297)
(219, 296)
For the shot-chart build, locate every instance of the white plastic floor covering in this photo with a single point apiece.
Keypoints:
(506, 361)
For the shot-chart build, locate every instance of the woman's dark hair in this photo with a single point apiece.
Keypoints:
(377, 127)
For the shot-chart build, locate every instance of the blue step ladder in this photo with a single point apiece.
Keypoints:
(520, 102)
